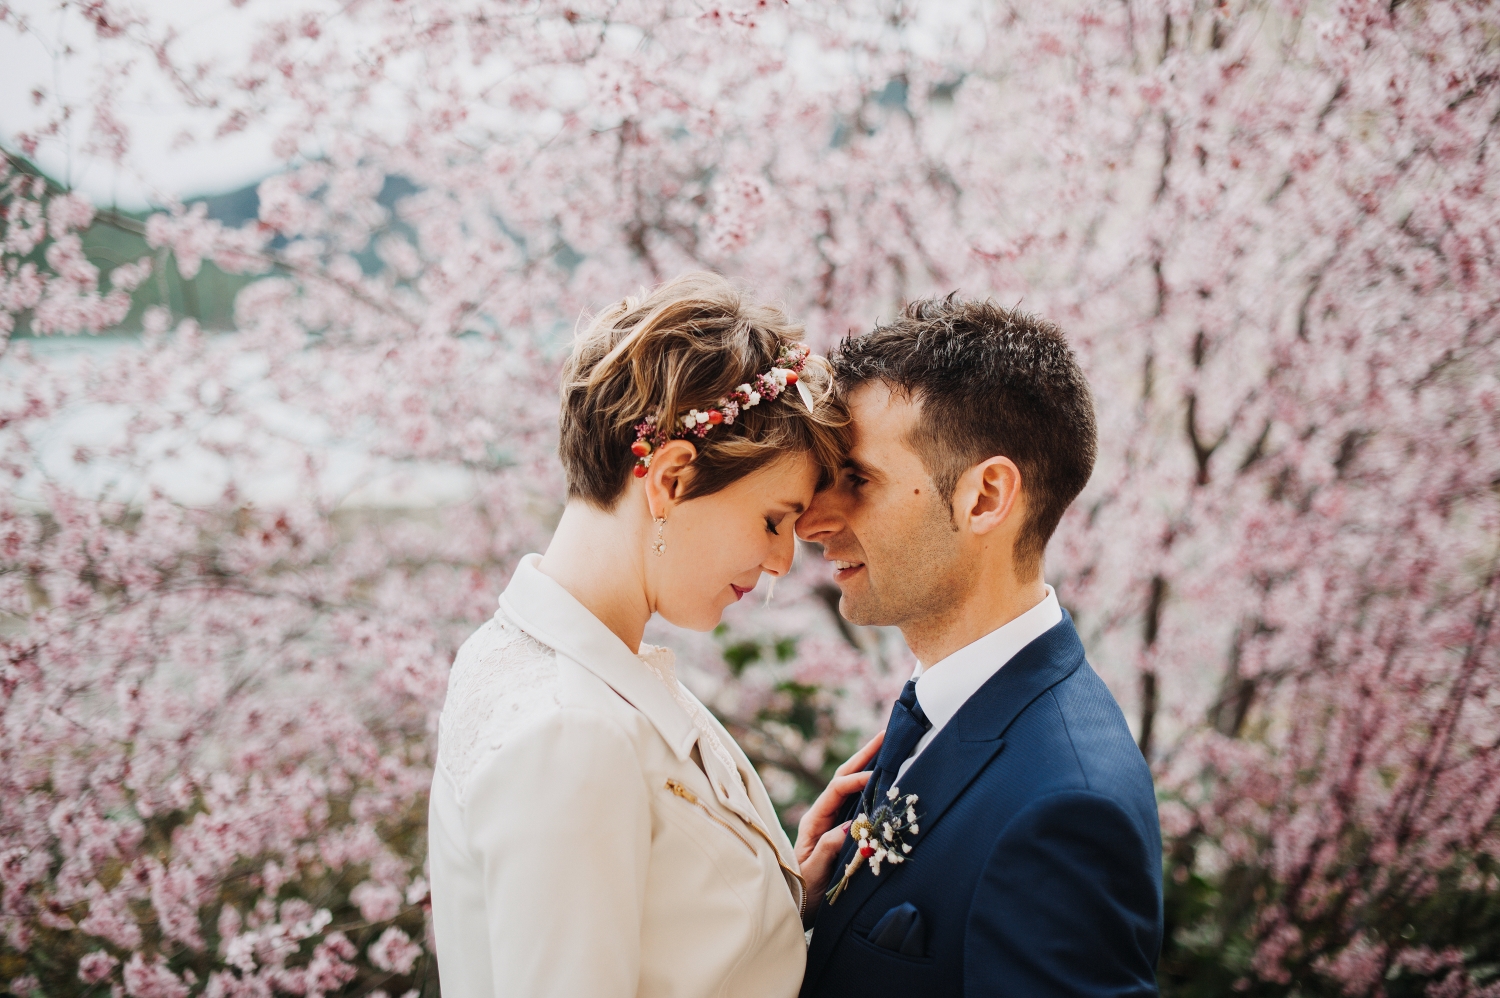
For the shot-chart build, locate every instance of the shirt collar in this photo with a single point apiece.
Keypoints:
(541, 607)
(941, 692)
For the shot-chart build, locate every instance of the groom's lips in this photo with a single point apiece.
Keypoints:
(843, 571)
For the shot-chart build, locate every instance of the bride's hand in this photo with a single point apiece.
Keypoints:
(818, 838)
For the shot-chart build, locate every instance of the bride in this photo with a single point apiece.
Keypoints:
(593, 829)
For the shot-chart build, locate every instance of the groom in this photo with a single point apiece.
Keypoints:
(1035, 867)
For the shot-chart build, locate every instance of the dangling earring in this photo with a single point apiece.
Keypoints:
(660, 547)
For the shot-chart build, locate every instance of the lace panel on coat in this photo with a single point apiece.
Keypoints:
(502, 680)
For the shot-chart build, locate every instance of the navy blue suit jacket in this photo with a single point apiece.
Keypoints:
(1037, 870)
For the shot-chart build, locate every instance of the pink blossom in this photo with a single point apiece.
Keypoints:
(1267, 228)
(152, 980)
(376, 902)
(68, 213)
(394, 951)
(96, 966)
(110, 918)
(128, 276)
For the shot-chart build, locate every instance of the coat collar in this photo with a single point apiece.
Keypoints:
(956, 756)
(541, 607)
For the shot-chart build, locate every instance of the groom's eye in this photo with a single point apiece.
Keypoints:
(855, 481)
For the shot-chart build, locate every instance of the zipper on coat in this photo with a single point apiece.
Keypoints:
(692, 798)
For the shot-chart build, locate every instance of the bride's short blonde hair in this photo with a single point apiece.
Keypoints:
(683, 345)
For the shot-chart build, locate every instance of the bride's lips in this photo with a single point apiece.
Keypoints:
(738, 592)
(843, 571)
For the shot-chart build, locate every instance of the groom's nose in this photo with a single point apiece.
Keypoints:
(820, 520)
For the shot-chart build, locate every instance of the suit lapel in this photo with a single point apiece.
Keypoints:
(954, 764)
(1033, 671)
(947, 767)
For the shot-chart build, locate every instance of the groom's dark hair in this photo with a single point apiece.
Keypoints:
(990, 381)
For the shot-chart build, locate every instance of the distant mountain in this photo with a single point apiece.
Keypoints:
(115, 238)
(235, 208)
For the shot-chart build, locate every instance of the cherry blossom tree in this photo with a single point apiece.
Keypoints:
(1268, 228)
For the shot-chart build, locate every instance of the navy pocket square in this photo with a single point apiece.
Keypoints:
(900, 930)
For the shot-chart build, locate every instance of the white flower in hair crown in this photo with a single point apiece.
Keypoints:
(768, 387)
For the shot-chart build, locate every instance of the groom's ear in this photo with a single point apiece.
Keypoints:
(988, 496)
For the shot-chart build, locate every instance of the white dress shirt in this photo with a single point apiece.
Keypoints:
(942, 691)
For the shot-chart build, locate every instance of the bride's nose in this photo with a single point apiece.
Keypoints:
(783, 550)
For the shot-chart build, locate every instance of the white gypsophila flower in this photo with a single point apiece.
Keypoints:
(746, 390)
(702, 418)
(910, 816)
(892, 793)
(888, 834)
(905, 847)
(915, 829)
(754, 398)
(911, 799)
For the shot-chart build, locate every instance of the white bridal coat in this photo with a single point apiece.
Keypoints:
(593, 832)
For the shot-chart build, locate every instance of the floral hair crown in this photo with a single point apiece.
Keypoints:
(762, 388)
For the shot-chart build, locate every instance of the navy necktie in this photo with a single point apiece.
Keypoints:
(906, 727)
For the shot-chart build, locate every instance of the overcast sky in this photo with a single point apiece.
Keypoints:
(160, 165)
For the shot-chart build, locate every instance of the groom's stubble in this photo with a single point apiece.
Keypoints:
(917, 571)
(901, 526)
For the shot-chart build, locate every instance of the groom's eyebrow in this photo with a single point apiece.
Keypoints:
(862, 470)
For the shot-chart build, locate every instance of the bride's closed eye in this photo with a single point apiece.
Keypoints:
(771, 526)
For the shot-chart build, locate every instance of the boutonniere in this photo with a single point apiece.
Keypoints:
(882, 837)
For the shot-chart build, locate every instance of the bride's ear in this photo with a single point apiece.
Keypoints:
(671, 470)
